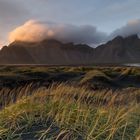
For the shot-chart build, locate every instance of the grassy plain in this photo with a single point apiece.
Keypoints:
(69, 103)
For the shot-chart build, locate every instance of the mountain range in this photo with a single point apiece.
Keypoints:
(52, 52)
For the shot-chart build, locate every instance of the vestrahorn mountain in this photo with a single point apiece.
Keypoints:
(52, 52)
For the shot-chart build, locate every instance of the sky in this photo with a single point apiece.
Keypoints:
(85, 21)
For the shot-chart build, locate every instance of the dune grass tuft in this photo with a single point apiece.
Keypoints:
(64, 112)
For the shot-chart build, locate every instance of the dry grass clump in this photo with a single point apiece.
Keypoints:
(64, 112)
(93, 74)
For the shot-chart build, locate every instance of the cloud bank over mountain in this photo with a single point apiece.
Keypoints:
(33, 31)
(132, 27)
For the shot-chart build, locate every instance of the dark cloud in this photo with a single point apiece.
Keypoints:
(131, 28)
(36, 31)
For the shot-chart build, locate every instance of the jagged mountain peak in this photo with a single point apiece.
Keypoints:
(134, 36)
(50, 42)
(119, 50)
(120, 39)
(53, 52)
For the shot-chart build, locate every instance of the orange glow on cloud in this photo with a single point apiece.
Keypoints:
(35, 31)
(31, 31)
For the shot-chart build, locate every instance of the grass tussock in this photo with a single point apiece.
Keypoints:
(64, 112)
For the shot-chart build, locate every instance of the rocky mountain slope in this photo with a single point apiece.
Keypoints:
(119, 50)
(53, 52)
(49, 52)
